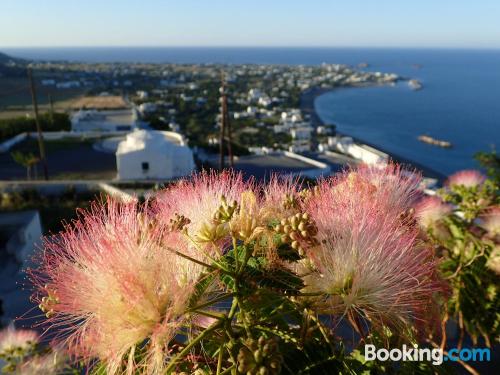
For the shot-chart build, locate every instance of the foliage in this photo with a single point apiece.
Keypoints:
(491, 162)
(469, 247)
(55, 210)
(12, 127)
(27, 160)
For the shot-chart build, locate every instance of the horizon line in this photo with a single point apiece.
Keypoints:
(258, 46)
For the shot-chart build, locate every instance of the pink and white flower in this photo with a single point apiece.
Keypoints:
(490, 221)
(431, 210)
(12, 338)
(106, 284)
(197, 200)
(467, 178)
(370, 262)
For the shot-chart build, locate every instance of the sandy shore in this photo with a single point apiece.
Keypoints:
(307, 100)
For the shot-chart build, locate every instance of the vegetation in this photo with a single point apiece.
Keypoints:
(12, 127)
(55, 210)
(27, 160)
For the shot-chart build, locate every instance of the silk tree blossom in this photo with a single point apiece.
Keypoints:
(198, 201)
(281, 196)
(369, 263)
(431, 210)
(395, 189)
(467, 178)
(52, 363)
(17, 339)
(490, 221)
(107, 287)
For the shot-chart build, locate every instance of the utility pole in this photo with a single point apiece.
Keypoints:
(51, 104)
(41, 145)
(225, 124)
(222, 125)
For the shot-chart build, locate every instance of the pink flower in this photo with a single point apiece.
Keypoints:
(431, 210)
(393, 187)
(490, 221)
(11, 338)
(196, 201)
(106, 284)
(54, 362)
(370, 263)
(467, 178)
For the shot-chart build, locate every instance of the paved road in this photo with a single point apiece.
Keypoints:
(81, 159)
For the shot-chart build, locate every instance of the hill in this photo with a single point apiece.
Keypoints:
(12, 66)
(4, 59)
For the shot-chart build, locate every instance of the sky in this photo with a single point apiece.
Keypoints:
(328, 23)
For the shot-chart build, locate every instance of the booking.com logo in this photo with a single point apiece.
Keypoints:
(436, 355)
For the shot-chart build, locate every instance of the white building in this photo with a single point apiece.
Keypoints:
(142, 94)
(20, 232)
(153, 155)
(301, 133)
(148, 107)
(361, 152)
(113, 120)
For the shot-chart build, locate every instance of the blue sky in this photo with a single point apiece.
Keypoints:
(368, 23)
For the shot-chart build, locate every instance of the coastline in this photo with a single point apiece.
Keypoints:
(307, 100)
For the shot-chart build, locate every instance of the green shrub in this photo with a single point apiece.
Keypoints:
(14, 126)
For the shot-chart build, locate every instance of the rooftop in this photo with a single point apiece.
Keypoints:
(262, 166)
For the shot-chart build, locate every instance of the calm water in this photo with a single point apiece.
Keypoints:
(460, 101)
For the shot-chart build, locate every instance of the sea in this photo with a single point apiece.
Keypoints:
(459, 101)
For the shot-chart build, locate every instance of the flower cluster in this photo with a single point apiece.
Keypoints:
(370, 264)
(108, 284)
(198, 277)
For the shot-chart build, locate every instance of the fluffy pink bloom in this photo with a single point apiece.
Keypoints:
(467, 178)
(281, 192)
(107, 284)
(52, 363)
(490, 221)
(11, 338)
(370, 262)
(197, 200)
(392, 187)
(431, 210)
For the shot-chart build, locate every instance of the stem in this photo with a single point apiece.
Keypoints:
(219, 360)
(211, 302)
(235, 250)
(190, 345)
(212, 314)
(228, 370)
(322, 330)
(209, 266)
(466, 366)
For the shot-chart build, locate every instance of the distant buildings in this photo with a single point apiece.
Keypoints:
(153, 155)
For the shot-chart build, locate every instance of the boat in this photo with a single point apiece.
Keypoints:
(433, 141)
(415, 84)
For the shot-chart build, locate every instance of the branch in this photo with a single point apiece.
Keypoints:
(191, 344)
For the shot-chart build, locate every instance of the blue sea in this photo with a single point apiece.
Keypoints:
(460, 101)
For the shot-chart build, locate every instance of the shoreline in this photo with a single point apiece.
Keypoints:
(307, 100)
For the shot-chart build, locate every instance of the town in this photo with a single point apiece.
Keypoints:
(271, 124)
(126, 130)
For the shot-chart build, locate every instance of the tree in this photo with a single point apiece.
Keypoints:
(27, 160)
